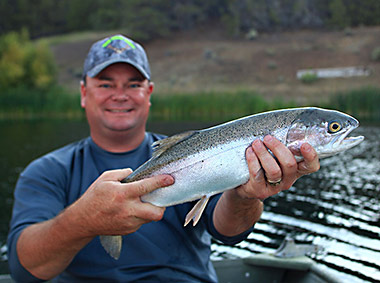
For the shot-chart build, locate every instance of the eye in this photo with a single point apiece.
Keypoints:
(105, 85)
(135, 85)
(334, 127)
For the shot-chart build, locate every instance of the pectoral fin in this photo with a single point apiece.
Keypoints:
(112, 245)
(196, 212)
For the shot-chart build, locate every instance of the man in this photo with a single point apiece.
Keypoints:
(66, 198)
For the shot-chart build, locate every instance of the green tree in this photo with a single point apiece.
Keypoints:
(363, 12)
(40, 67)
(146, 19)
(338, 14)
(12, 59)
(23, 62)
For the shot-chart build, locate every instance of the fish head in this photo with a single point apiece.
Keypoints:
(326, 130)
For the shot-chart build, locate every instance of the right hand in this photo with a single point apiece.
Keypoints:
(110, 207)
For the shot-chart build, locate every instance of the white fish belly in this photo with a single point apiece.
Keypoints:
(206, 173)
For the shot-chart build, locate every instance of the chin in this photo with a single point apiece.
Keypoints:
(122, 127)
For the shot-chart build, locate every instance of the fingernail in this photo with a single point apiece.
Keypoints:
(268, 138)
(257, 142)
(168, 180)
(306, 147)
(250, 150)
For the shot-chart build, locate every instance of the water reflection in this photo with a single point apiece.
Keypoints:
(337, 207)
(21, 142)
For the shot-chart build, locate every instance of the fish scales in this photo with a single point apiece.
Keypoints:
(249, 127)
(223, 147)
(212, 160)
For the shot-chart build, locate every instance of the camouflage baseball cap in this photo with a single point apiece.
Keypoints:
(115, 49)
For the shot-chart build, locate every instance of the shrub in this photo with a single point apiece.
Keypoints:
(375, 55)
(23, 62)
(309, 78)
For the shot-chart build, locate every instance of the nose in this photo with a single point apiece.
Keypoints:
(120, 94)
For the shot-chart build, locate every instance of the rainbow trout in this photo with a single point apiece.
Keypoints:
(210, 161)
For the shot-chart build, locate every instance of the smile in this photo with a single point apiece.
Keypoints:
(119, 110)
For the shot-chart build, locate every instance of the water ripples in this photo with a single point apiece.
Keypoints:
(337, 208)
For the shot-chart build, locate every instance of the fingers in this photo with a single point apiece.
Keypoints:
(141, 187)
(283, 166)
(269, 164)
(310, 163)
(112, 207)
(257, 185)
(146, 212)
(145, 186)
(254, 167)
(286, 162)
(118, 174)
(280, 169)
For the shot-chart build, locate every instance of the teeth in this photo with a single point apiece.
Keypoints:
(118, 111)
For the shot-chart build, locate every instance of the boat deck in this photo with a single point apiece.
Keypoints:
(267, 268)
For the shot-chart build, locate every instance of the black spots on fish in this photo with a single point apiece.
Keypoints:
(310, 116)
(315, 115)
(162, 146)
(202, 163)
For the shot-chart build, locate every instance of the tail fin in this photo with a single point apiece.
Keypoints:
(112, 245)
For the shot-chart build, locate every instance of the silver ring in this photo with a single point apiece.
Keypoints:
(274, 183)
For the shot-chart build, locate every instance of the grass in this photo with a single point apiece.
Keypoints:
(362, 103)
(23, 103)
(26, 103)
(211, 106)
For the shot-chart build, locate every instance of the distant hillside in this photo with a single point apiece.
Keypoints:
(210, 60)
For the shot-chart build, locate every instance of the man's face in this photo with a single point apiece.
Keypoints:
(117, 99)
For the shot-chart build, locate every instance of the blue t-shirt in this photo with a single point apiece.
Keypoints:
(158, 251)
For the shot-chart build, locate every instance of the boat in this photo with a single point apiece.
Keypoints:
(263, 268)
(267, 268)
(289, 263)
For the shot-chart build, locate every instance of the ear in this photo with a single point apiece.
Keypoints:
(83, 93)
(150, 91)
(150, 87)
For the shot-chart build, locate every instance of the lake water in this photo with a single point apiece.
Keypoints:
(337, 208)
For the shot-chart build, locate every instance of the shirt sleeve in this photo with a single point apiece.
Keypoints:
(212, 230)
(39, 196)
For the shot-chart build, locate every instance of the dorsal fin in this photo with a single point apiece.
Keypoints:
(162, 145)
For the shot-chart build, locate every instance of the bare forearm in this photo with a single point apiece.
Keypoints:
(234, 215)
(108, 207)
(45, 249)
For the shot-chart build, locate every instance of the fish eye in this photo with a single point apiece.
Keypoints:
(334, 127)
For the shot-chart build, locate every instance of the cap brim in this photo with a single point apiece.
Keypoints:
(96, 70)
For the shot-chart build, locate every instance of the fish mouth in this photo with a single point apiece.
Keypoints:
(344, 141)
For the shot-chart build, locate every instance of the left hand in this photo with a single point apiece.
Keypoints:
(269, 176)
